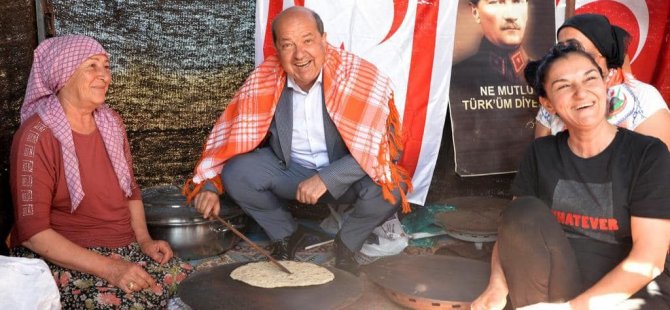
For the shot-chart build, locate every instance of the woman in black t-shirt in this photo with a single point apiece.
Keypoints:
(591, 226)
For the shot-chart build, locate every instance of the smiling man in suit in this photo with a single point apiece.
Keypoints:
(312, 124)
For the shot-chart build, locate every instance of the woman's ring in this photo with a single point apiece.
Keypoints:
(131, 286)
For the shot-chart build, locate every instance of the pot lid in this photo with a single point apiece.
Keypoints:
(165, 205)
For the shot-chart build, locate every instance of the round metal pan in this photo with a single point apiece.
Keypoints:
(215, 289)
(430, 281)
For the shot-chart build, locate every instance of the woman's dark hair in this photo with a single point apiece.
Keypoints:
(536, 71)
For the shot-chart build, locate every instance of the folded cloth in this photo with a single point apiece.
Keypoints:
(27, 283)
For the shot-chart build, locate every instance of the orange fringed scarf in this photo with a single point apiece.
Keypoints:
(359, 99)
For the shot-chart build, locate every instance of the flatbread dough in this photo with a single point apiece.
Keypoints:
(267, 275)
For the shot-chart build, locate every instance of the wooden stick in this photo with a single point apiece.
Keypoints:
(252, 244)
(569, 8)
(309, 247)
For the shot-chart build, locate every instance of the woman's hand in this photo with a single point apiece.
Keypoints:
(127, 276)
(493, 298)
(158, 250)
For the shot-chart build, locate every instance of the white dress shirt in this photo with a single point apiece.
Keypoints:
(308, 147)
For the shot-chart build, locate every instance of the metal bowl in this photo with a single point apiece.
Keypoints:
(188, 233)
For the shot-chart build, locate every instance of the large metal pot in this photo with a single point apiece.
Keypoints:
(189, 234)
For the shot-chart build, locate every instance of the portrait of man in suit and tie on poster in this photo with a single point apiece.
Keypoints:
(491, 106)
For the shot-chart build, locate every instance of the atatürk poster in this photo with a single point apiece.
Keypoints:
(492, 108)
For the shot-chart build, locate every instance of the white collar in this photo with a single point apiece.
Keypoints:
(293, 85)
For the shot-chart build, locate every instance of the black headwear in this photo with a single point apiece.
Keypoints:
(611, 41)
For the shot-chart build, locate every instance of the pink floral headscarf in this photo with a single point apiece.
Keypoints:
(54, 62)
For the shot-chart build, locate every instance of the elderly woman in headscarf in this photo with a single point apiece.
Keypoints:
(76, 202)
(632, 104)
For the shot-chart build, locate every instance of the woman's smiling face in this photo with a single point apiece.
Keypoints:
(88, 85)
(576, 91)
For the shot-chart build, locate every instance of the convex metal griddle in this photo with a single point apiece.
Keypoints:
(215, 289)
(430, 281)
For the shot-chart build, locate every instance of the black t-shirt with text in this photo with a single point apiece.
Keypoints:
(594, 198)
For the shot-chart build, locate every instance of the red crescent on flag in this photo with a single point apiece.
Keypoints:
(399, 12)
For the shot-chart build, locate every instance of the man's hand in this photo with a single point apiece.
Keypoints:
(207, 203)
(158, 250)
(310, 190)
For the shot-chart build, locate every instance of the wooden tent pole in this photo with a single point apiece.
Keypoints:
(569, 8)
(44, 12)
